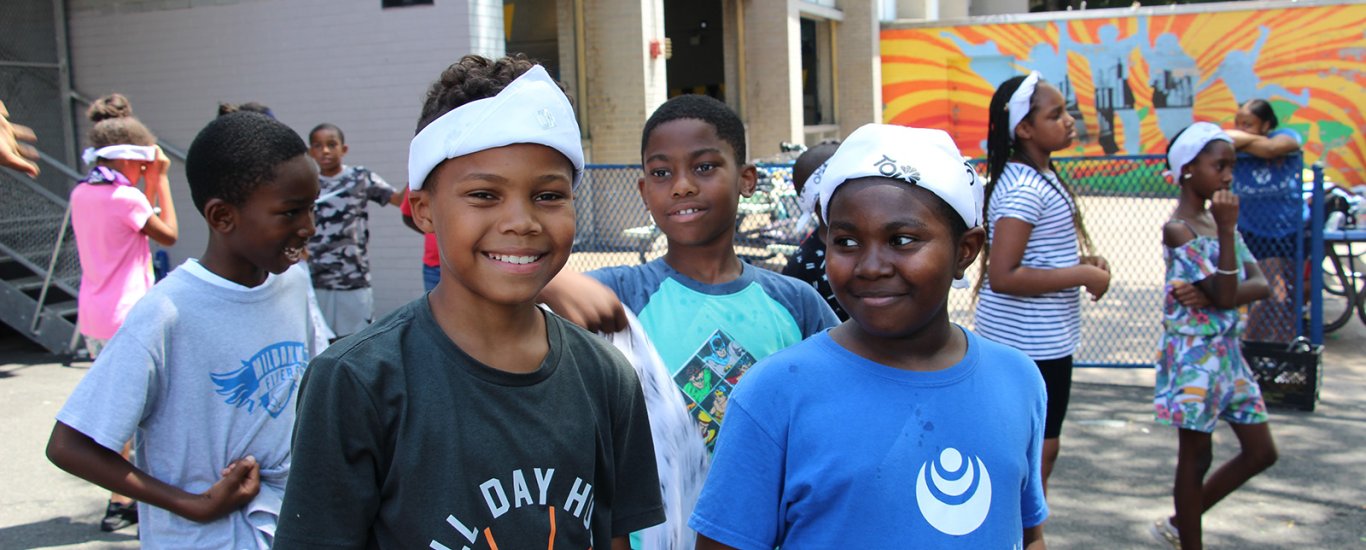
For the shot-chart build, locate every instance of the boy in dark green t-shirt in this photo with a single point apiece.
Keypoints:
(471, 417)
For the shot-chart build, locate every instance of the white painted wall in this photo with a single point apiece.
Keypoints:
(346, 62)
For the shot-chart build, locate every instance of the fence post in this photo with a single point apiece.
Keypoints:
(1316, 221)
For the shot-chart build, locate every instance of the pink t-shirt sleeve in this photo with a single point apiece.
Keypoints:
(134, 205)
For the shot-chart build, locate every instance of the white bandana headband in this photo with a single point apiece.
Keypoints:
(926, 158)
(1018, 106)
(532, 109)
(1189, 144)
(147, 153)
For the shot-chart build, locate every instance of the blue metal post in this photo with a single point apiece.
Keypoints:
(1316, 220)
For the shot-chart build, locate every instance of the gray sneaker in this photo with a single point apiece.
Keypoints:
(1165, 533)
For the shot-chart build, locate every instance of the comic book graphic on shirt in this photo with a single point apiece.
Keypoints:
(707, 379)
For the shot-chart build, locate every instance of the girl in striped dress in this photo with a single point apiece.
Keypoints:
(1028, 295)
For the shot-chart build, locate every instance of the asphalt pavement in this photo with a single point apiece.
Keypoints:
(1113, 479)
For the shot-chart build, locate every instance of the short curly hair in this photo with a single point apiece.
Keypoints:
(707, 109)
(472, 78)
(237, 153)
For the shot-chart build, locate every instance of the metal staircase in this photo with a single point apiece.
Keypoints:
(39, 269)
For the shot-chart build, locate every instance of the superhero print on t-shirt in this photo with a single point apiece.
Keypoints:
(707, 379)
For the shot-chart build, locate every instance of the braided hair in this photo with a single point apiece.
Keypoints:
(1001, 149)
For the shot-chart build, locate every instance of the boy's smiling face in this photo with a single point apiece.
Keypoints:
(503, 219)
(271, 228)
(693, 183)
(892, 256)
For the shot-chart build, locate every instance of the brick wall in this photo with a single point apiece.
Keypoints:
(860, 66)
(773, 75)
(349, 63)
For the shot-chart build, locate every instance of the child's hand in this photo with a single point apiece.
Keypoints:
(240, 483)
(13, 153)
(1189, 295)
(1097, 261)
(1224, 207)
(584, 301)
(1099, 282)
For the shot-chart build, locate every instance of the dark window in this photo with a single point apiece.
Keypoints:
(404, 3)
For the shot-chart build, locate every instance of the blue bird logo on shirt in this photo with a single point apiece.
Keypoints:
(267, 379)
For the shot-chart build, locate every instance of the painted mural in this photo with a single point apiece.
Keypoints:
(1132, 82)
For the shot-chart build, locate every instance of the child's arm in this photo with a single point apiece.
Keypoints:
(1262, 146)
(1033, 538)
(1222, 287)
(1007, 276)
(379, 187)
(704, 543)
(585, 302)
(1254, 287)
(162, 227)
(81, 456)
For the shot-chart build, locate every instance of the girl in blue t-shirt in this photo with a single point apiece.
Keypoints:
(1201, 376)
(1032, 266)
(1271, 203)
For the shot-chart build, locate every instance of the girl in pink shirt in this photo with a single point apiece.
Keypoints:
(113, 218)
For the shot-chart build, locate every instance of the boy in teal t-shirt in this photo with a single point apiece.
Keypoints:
(700, 301)
(708, 314)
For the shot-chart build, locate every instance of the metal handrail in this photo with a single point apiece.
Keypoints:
(51, 269)
(50, 272)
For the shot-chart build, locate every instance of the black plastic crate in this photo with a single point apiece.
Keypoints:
(1289, 374)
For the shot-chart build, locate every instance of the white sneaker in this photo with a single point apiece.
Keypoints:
(1165, 533)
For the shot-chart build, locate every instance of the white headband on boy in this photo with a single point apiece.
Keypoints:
(146, 153)
(926, 158)
(532, 109)
(1189, 144)
(1018, 106)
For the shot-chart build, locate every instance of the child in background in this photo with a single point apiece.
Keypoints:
(1270, 216)
(1031, 269)
(471, 417)
(205, 367)
(896, 429)
(431, 254)
(808, 264)
(700, 297)
(1201, 376)
(112, 220)
(338, 253)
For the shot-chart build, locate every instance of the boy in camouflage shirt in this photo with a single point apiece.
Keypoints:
(338, 256)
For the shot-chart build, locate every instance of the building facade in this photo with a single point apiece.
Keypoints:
(796, 71)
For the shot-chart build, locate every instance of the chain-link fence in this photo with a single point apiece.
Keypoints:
(614, 228)
(29, 221)
(1124, 202)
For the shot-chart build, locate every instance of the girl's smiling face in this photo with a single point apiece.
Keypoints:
(892, 255)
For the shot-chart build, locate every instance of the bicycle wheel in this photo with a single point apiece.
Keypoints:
(1337, 308)
(1353, 264)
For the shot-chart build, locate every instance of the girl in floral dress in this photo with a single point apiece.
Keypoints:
(1201, 376)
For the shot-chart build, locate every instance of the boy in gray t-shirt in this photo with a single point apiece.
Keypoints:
(204, 370)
